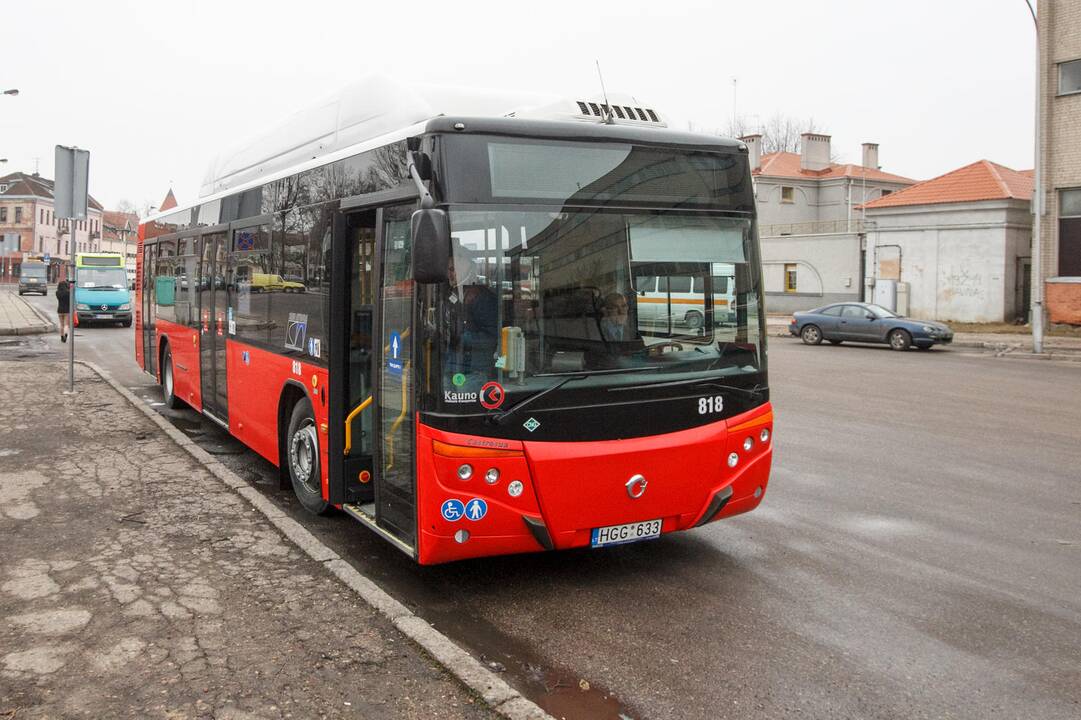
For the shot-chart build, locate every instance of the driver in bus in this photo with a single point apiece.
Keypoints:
(473, 320)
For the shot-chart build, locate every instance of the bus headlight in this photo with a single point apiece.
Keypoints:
(492, 476)
(764, 435)
(465, 472)
(515, 488)
(733, 458)
(82, 306)
(748, 443)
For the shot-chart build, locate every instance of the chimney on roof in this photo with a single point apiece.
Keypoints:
(870, 155)
(814, 151)
(754, 149)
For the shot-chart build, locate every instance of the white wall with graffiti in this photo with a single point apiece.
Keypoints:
(962, 261)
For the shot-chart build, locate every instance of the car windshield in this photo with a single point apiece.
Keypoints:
(36, 271)
(104, 278)
(622, 298)
(882, 312)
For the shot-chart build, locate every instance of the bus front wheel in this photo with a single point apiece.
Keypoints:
(302, 459)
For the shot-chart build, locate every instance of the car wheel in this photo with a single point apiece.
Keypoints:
(693, 318)
(811, 335)
(302, 459)
(900, 339)
(126, 323)
(836, 342)
(168, 380)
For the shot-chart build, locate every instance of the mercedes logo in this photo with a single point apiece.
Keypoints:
(636, 487)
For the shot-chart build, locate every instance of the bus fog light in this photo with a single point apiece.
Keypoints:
(465, 472)
(492, 476)
(748, 444)
(733, 458)
(515, 488)
(764, 435)
(461, 536)
(758, 491)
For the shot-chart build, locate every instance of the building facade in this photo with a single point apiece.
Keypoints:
(956, 247)
(1060, 113)
(27, 212)
(810, 222)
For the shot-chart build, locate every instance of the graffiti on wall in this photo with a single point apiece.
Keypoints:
(962, 283)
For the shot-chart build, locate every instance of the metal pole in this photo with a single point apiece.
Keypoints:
(72, 312)
(1037, 209)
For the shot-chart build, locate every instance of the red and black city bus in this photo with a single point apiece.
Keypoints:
(442, 330)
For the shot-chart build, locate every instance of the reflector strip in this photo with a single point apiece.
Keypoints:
(460, 451)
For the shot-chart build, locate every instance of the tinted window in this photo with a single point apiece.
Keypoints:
(255, 282)
(165, 281)
(834, 311)
(679, 284)
(297, 303)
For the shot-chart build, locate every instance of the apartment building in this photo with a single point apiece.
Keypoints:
(1060, 112)
(27, 212)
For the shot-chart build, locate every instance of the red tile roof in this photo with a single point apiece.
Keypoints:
(19, 183)
(168, 203)
(787, 164)
(982, 180)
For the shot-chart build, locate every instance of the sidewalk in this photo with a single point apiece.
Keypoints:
(1020, 345)
(135, 583)
(18, 318)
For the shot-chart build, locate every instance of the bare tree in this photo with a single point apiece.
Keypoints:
(780, 133)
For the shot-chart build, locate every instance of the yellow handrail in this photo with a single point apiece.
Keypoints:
(349, 423)
(398, 420)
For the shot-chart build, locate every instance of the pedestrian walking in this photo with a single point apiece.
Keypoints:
(63, 307)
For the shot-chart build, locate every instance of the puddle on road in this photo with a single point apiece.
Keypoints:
(558, 691)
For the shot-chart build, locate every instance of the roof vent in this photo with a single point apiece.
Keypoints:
(591, 109)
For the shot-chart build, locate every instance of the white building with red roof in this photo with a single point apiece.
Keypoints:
(810, 222)
(958, 245)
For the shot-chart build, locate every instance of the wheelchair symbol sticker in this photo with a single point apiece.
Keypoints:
(452, 510)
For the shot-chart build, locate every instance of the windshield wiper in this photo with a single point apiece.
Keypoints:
(753, 393)
(499, 417)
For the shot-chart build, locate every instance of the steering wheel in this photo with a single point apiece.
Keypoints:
(658, 349)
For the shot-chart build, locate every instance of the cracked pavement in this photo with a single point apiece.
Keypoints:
(134, 584)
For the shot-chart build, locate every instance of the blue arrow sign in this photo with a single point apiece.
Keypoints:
(394, 362)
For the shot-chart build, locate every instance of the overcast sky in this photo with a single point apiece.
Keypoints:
(155, 89)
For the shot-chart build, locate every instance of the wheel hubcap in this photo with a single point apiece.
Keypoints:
(302, 454)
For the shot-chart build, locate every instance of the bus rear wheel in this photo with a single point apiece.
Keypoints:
(168, 384)
(302, 459)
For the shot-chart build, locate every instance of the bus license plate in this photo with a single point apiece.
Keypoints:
(619, 534)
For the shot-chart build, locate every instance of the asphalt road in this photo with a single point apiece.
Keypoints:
(918, 554)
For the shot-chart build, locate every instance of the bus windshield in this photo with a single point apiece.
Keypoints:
(103, 278)
(620, 297)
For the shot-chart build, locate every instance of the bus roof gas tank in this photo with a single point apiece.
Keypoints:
(377, 107)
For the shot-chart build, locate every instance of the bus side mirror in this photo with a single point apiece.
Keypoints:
(431, 246)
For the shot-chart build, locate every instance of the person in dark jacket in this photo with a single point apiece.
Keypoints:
(63, 308)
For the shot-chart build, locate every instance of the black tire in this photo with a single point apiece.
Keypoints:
(811, 335)
(899, 339)
(302, 459)
(836, 342)
(168, 381)
(126, 323)
(694, 319)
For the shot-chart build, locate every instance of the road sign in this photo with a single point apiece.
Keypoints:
(70, 189)
(46, 257)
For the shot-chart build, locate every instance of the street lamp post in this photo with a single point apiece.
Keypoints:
(1037, 207)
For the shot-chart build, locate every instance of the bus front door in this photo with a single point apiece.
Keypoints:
(371, 406)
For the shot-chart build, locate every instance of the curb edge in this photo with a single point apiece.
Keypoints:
(470, 672)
